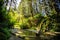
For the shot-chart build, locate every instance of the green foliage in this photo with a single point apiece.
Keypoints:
(4, 22)
(27, 18)
(4, 33)
(24, 26)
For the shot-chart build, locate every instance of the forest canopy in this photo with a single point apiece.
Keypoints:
(35, 16)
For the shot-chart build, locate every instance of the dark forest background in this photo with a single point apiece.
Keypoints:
(40, 15)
